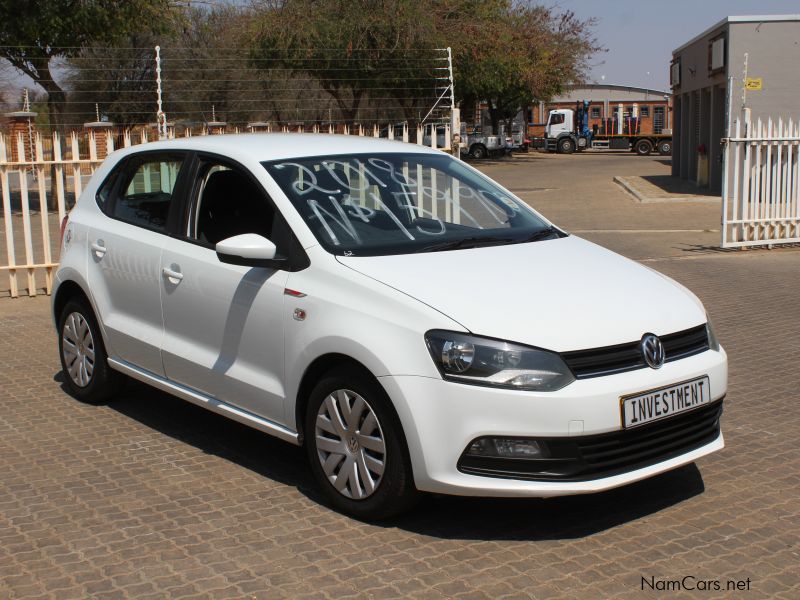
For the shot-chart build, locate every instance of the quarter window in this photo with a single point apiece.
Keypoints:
(146, 195)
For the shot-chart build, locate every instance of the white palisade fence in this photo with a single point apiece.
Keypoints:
(42, 184)
(761, 184)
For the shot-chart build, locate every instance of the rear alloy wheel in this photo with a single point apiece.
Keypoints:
(83, 356)
(77, 349)
(356, 448)
(665, 148)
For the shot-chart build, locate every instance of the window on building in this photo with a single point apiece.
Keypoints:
(644, 111)
(658, 119)
(716, 54)
(675, 73)
(595, 114)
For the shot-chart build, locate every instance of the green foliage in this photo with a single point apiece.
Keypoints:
(512, 53)
(368, 59)
(505, 52)
(352, 47)
(32, 32)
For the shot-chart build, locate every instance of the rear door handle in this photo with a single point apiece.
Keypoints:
(173, 276)
(99, 248)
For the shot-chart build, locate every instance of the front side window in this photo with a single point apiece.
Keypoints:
(361, 205)
(556, 118)
(228, 202)
(145, 196)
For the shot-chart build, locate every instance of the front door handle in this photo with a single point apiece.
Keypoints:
(173, 276)
(98, 248)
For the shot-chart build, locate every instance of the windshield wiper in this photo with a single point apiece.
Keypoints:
(467, 242)
(540, 235)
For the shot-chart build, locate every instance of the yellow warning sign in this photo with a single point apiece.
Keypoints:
(752, 83)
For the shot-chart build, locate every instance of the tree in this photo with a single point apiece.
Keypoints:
(505, 52)
(34, 32)
(509, 53)
(353, 48)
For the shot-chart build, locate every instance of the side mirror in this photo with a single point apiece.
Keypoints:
(249, 250)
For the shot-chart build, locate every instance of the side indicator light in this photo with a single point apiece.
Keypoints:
(293, 293)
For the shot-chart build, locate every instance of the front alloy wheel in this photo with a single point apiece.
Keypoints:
(356, 447)
(350, 444)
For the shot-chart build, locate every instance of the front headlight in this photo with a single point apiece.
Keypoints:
(485, 361)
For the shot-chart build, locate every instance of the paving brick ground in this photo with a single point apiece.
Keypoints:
(151, 497)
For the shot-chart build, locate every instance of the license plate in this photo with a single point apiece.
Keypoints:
(646, 407)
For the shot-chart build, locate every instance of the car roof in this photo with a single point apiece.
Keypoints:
(276, 146)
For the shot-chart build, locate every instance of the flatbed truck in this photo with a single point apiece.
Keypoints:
(567, 131)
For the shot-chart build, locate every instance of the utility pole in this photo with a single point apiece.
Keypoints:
(455, 113)
(161, 118)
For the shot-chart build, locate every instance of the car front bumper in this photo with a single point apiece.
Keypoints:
(441, 418)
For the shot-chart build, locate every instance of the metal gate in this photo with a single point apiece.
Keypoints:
(761, 184)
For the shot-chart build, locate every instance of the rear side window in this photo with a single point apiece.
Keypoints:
(145, 194)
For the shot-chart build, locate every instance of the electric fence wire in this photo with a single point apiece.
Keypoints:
(114, 84)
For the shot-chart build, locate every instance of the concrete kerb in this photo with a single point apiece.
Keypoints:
(625, 184)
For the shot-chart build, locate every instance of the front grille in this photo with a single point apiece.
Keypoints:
(627, 357)
(592, 457)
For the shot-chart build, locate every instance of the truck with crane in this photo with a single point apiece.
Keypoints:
(568, 131)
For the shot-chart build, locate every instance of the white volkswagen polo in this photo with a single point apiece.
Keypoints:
(411, 323)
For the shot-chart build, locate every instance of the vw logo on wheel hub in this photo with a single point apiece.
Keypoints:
(352, 443)
(653, 351)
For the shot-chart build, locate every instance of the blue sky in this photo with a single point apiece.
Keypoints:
(640, 35)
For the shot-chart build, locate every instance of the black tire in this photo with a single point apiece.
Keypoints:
(566, 146)
(478, 151)
(103, 382)
(644, 147)
(394, 492)
(665, 148)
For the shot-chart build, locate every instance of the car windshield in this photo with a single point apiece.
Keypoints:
(372, 204)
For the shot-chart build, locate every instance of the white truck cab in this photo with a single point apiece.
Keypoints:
(560, 121)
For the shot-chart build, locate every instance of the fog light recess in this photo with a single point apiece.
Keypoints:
(507, 448)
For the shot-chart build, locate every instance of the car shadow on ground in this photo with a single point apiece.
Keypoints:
(447, 517)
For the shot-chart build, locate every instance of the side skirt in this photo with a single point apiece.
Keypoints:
(217, 406)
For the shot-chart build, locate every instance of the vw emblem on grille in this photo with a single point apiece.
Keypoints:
(653, 351)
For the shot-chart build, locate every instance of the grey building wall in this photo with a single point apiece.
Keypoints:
(700, 99)
(773, 55)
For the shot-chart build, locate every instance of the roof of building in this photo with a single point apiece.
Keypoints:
(738, 19)
(619, 88)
